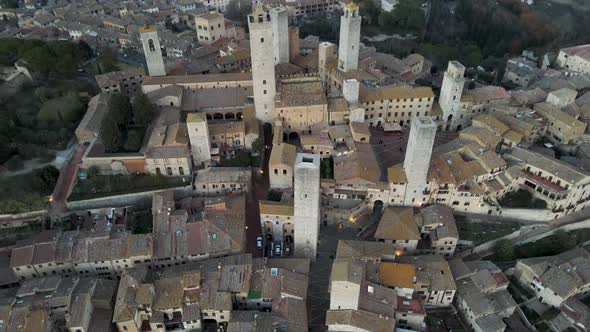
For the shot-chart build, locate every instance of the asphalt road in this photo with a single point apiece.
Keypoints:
(260, 187)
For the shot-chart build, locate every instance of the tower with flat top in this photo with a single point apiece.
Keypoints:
(263, 65)
(280, 34)
(450, 94)
(307, 204)
(198, 134)
(350, 37)
(417, 161)
(152, 51)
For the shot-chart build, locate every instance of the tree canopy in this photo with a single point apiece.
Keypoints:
(55, 58)
(66, 109)
(124, 127)
(143, 110)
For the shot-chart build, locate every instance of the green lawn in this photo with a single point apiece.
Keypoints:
(111, 185)
(241, 158)
(483, 232)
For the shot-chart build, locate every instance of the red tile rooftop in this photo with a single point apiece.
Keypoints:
(500, 279)
(544, 182)
(413, 306)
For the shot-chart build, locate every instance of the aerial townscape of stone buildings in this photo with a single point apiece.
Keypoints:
(299, 104)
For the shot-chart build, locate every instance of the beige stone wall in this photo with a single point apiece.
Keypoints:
(301, 118)
(168, 167)
(396, 110)
(281, 176)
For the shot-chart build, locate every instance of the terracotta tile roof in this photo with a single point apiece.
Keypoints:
(397, 224)
(188, 79)
(361, 320)
(393, 92)
(283, 154)
(397, 275)
(276, 208)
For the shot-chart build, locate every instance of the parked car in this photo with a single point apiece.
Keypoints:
(259, 242)
(287, 250)
(278, 250)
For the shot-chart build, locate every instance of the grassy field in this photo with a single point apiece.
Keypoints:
(480, 232)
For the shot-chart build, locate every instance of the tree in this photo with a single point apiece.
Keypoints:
(327, 168)
(67, 109)
(504, 250)
(44, 179)
(120, 109)
(370, 12)
(238, 10)
(257, 146)
(93, 171)
(107, 58)
(133, 142)
(42, 94)
(565, 240)
(143, 110)
(9, 3)
(111, 135)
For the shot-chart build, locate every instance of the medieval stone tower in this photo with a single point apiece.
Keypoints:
(198, 135)
(262, 58)
(152, 51)
(280, 34)
(350, 91)
(326, 52)
(350, 34)
(307, 204)
(417, 162)
(450, 95)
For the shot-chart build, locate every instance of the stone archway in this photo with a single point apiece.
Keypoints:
(229, 116)
(218, 116)
(239, 116)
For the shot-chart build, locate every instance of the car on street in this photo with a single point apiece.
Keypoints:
(259, 242)
(287, 250)
(278, 250)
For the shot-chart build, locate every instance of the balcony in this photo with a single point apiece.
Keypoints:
(544, 186)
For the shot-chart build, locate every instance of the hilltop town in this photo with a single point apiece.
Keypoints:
(172, 169)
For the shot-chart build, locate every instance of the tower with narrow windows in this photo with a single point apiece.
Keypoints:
(350, 36)
(450, 95)
(263, 65)
(417, 160)
(280, 34)
(152, 51)
(326, 53)
(306, 206)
